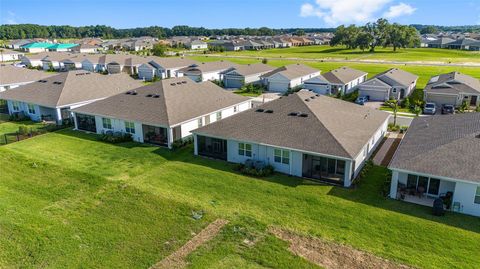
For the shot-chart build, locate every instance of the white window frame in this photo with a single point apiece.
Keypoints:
(31, 109)
(476, 199)
(283, 155)
(219, 115)
(245, 149)
(16, 105)
(107, 123)
(200, 122)
(130, 127)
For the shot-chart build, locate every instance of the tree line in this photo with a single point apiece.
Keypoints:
(375, 34)
(20, 31)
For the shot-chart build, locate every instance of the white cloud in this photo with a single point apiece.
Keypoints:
(10, 18)
(399, 10)
(335, 12)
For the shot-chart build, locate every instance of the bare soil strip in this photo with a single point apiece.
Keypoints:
(332, 255)
(177, 259)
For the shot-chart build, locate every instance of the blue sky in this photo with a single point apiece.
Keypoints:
(245, 13)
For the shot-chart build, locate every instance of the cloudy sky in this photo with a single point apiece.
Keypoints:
(245, 13)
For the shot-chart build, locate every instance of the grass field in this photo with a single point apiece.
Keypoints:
(386, 54)
(424, 72)
(67, 200)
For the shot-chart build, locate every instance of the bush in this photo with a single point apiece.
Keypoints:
(266, 171)
(180, 143)
(252, 88)
(115, 138)
(264, 61)
(406, 103)
(393, 128)
(17, 117)
(351, 97)
(477, 109)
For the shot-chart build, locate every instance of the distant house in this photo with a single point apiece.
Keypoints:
(52, 98)
(163, 67)
(86, 48)
(252, 45)
(162, 112)
(206, 71)
(288, 77)
(11, 76)
(298, 135)
(439, 157)
(240, 75)
(391, 84)
(342, 80)
(61, 47)
(9, 55)
(453, 88)
(463, 44)
(440, 43)
(35, 47)
(18, 43)
(196, 45)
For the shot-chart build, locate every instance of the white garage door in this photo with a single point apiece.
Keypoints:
(442, 99)
(277, 86)
(233, 82)
(374, 95)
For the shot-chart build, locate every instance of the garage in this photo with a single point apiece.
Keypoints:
(275, 86)
(375, 95)
(233, 81)
(440, 99)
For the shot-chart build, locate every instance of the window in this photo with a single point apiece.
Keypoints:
(31, 109)
(281, 156)
(219, 115)
(107, 123)
(477, 196)
(245, 149)
(130, 127)
(16, 106)
(235, 109)
(200, 122)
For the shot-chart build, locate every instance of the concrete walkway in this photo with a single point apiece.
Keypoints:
(385, 154)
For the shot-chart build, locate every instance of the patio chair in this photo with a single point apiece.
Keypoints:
(420, 191)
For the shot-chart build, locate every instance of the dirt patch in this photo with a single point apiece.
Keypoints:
(177, 258)
(333, 255)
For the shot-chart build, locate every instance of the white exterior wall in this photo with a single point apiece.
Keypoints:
(279, 83)
(465, 194)
(5, 57)
(369, 148)
(119, 126)
(211, 76)
(39, 110)
(350, 86)
(318, 88)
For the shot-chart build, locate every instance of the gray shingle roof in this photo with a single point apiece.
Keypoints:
(332, 127)
(399, 76)
(71, 87)
(208, 67)
(251, 69)
(446, 145)
(343, 75)
(10, 74)
(292, 71)
(179, 100)
(453, 83)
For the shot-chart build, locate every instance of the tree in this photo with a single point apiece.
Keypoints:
(363, 41)
(430, 29)
(299, 32)
(159, 50)
(394, 105)
(378, 32)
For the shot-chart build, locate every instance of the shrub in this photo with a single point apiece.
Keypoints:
(477, 109)
(17, 117)
(264, 61)
(255, 172)
(406, 103)
(393, 128)
(180, 143)
(115, 138)
(252, 88)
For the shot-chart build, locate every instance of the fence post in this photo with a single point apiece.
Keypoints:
(5, 137)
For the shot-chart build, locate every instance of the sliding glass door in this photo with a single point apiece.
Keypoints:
(430, 186)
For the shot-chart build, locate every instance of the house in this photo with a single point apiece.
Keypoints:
(35, 47)
(338, 81)
(438, 157)
(206, 71)
(453, 88)
(196, 45)
(288, 77)
(240, 75)
(52, 98)
(302, 134)
(86, 48)
(18, 43)
(34, 60)
(61, 47)
(391, 84)
(462, 44)
(440, 43)
(163, 67)
(252, 45)
(7, 55)
(162, 112)
(11, 76)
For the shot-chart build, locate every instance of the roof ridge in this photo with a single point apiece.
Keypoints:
(323, 125)
(64, 83)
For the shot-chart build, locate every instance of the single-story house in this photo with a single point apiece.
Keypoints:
(18, 43)
(439, 157)
(162, 112)
(462, 43)
(52, 98)
(288, 77)
(240, 75)
(339, 81)
(34, 60)
(163, 67)
(196, 44)
(440, 43)
(453, 88)
(86, 48)
(303, 134)
(59, 47)
(391, 84)
(9, 55)
(11, 76)
(36, 47)
(206, 71)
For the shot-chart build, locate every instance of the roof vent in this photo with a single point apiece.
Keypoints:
(293, 113)
(156, 96)
(260, 110)
(312, 97)
(134, 93)
(477, 136)
(307, 100)
(149, 95)
(57, 82)
(303, 115)
(42, 81)
(269, 111)
(179, 83)
(184, 82)
(172, 84)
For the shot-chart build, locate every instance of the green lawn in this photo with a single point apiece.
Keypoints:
(12, 127)
(67, 200)
(424, 72)
(327, 52)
